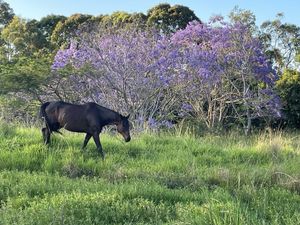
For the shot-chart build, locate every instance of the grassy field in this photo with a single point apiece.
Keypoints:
(154, 179)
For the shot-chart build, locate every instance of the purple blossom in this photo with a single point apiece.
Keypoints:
(187, 107)
(167, 124)
(202, 64)
(63, 57)
(152, 123)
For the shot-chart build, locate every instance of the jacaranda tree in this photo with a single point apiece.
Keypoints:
(224, 74)
(215, 72)
(122, 70)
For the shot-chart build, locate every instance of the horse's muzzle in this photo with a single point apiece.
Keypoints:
(127, 139)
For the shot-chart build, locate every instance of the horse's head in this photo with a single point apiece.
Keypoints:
(123, 128)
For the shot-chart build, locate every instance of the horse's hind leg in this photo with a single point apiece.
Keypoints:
(46, 135)
(98, 144)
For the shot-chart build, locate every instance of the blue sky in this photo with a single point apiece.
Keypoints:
(204, 9)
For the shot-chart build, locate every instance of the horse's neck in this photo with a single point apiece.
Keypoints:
(114, 118)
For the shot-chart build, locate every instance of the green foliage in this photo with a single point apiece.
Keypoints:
(23, 74)
(65, 30)
(24, 38)
(14, 35)
(16, 107)
(170, 18)
(47, 25)
(21, 82)
(242, 16)
(288, 87)
(154, 179)
(122, 19)
(6, 13)
(281, 42)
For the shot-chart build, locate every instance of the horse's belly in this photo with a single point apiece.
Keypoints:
(75, 129)
(73, 122)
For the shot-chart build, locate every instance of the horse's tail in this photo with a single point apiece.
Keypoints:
(44, 116)
(43, 109)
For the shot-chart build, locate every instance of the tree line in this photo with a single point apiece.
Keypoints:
(165, 66)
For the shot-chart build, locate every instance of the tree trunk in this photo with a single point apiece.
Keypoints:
(247, 126)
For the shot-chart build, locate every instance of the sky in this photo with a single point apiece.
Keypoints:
(204, 9)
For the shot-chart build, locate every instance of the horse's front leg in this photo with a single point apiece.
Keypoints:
(86, 140)
(98, 144)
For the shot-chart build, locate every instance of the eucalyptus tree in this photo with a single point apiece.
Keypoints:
(65, 30)
(170, 18)
(6, 13)
(282, 42)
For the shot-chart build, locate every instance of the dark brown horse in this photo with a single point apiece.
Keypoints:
(89, 118)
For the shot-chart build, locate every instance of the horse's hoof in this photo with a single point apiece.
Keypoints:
(102, 155)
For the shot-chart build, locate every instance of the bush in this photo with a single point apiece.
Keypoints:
(288, 88)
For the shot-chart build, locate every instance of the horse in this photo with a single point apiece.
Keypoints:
(88, 118)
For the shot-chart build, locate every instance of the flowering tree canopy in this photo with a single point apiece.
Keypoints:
(211, 71)
(225, 73)
(124, 71)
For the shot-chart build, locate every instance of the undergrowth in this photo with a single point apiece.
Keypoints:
(154, 179)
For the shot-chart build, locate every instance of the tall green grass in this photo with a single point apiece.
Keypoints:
(154, 179)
